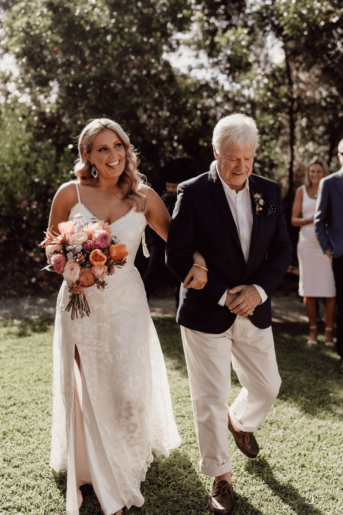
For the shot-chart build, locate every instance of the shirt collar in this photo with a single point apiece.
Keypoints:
(228, 190)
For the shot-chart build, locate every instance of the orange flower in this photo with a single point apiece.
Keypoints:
(97, 258)
(118, 251)
(86, 278)
(66, 228)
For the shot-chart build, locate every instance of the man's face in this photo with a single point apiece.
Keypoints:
(234, 163)
(340, 157)
(171, 188)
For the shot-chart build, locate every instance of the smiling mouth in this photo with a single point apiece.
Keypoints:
(115, 164)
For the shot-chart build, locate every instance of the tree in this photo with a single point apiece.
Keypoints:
(79, 60)
(297, 103)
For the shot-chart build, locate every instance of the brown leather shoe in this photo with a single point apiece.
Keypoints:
(246, 442)
(220, 500)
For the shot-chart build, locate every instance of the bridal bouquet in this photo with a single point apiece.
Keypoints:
(84, 254)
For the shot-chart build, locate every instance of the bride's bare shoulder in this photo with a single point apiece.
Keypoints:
(67, 194)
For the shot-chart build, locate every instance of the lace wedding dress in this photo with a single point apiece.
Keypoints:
(107, 420)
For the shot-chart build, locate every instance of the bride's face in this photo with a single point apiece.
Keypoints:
(108, 155)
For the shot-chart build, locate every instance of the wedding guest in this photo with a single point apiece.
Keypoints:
(315, 271)
(329, 229)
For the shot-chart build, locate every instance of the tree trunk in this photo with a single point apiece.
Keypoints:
(291, 131)
(331, 148)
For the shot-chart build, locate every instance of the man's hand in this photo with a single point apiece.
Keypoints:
(242, 300)
(230, 298)
(327, 252)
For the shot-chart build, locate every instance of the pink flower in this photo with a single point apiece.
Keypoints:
(71, 272)
(50, 249)
(66, 228)
(78, 238)
(91, 245)
(58, 261)
(99, 271)
(102, 239)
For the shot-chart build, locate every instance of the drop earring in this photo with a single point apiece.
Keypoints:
(94, 172)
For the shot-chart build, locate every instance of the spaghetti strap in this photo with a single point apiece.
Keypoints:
(78, 193)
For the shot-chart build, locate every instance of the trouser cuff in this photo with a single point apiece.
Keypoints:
(240, 426)
(216, 471)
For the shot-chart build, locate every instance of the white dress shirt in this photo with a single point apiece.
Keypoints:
(241, 209)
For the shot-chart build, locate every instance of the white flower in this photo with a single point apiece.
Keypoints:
(78, 238)
(78, 249)
(70, 256)
(79, 222)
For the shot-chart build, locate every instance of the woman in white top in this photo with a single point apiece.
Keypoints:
(112, 409)
(315, 271)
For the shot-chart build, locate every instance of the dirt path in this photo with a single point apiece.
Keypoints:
(286, 308)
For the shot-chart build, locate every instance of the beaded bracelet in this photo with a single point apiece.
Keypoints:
(196, 264)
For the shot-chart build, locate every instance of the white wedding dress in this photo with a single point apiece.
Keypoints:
(107, 421)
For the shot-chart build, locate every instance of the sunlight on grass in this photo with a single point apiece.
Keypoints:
(299, 469)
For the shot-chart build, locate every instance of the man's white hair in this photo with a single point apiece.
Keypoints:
(238, 129)
(340, 147)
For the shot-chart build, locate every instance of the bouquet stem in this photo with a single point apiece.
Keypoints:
(78, 305)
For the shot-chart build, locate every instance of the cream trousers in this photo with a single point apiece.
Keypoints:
(208, 358)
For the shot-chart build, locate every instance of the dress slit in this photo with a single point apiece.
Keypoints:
(90, 465)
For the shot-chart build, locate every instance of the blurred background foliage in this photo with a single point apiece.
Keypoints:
(82, 59)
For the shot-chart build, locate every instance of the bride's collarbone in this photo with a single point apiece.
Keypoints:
(104, 206)
(107, 212)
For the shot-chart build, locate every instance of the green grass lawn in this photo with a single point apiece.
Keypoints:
(299, 469)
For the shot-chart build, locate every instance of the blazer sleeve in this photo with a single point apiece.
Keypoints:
(321, 215)
(181, 246)
(279, 254)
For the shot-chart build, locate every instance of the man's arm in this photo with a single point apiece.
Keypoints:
(181, 246)
(321, 215)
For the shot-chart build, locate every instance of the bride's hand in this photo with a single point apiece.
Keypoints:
(196, 278)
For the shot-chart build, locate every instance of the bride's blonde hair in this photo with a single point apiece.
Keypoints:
(130, 178)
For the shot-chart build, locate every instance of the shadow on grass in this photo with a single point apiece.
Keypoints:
(309, 374)
(24, 328)
(60, 479)
(171, 343)
(286, 492)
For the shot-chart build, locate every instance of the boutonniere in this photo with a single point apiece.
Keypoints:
(259, 202)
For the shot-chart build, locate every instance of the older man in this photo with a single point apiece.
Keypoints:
(329, 230)
(236, 221)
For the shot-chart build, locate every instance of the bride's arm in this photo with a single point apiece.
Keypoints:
(63, 201)
(159, 220)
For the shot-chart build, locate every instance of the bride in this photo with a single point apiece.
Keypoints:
(111, 399)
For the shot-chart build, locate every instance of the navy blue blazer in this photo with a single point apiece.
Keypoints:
(202, 220)
(328, 218)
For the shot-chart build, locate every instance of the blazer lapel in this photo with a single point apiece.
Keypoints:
(257, 218)
(219, 197)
